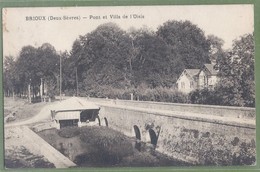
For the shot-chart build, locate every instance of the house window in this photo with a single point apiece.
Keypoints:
(205, 81)
(182, 84)
(191, 84)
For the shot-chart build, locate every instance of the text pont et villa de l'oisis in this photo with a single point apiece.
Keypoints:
(89, 17)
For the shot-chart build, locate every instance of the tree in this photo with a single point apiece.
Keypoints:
(78, 57)
(151, 64)
(109, 56)
(136, 34)
(48, 60)
(243, 54)
(27, 68)
(189, 46)
(216, 50)
(34, 64)
(236, 72)
(102, 57)
(10, 82)
(69, 72)
(48, 64)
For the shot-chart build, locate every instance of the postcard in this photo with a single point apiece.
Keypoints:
(129, 86)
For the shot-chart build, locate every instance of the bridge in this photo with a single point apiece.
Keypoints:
(198, 134)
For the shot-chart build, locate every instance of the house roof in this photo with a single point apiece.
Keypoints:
(192, 72)
(210, 68)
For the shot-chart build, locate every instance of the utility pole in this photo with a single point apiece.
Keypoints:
(41, 92)
(60, 77)
(77, 85)
(29, 92)
(13, 92)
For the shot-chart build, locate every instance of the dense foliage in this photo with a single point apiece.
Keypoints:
(32, 65)
(110, 62)
(236, 86)
(109, 146)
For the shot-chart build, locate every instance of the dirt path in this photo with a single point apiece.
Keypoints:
(45, 113)
(19, 139)
(43, 116)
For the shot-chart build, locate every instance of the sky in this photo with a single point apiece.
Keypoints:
(227, 22)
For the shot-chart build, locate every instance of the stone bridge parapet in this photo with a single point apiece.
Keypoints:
(225, 111)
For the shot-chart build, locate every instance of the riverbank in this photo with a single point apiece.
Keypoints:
(98, 146)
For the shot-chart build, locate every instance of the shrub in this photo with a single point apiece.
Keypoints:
(69, 132)
(109, 143)
(162, 94)
(204, 96)
(142, 92)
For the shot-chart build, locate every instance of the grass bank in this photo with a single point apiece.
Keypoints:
(103, 147)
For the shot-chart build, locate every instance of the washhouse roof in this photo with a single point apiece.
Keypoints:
(74, 104)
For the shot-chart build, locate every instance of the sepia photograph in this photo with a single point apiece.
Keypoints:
(129, 86)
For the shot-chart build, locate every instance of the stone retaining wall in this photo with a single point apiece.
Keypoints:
(192, 137)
